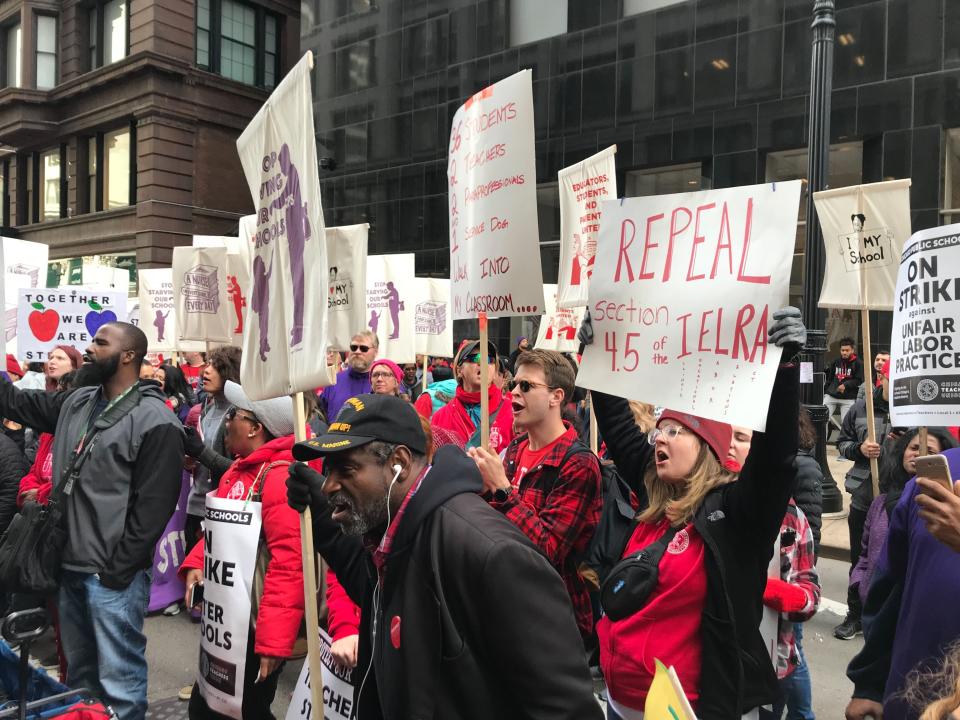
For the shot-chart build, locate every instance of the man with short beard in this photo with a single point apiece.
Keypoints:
(355, 379)
(461, 617)
(125, 448)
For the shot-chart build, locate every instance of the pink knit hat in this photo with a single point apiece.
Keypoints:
(394, 368)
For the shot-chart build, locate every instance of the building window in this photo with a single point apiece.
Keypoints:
(238, 41)
(4, 200)
(532, 20)
(638, 7)
(13, 45)
(46, 52)
(107, 26)
(107, 180)
(116, 169)
(666, 180)
(951, 178)
(88, 153)
(50, 184)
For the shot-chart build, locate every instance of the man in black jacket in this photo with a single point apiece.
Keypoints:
(844, 377)
(461, 617)
(125, 448)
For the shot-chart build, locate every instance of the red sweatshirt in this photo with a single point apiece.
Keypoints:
(40, 477)
(454, 417)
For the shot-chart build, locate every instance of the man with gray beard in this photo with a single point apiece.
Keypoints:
(461, 617)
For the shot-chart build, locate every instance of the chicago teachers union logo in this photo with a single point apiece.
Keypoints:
(927, 389)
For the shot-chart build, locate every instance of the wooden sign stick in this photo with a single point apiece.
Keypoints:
(594, 448)
(426, 359)
(868, 394)
(923, 440)
(309, 575)
(484, 382)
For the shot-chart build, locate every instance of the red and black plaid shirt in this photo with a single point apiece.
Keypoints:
(559, 517)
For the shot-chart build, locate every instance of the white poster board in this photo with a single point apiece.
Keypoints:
(681, 297)
(864, 228)
(201, 294)
(158, 317)
(237, 274)
(347, 298)
(582, 188)
(337, 689)
(925, 362)
(64, 316)
(24, 266)
(285, 343)
(559, 326)
(492, 180)
(433, 320)
(391, 305)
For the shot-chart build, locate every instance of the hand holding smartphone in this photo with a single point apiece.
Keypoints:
(935, 467)
(196, 595)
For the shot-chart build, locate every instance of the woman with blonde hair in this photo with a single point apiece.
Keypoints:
(689, 589)
(943, 684)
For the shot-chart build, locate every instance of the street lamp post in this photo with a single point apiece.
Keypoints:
(818, 155)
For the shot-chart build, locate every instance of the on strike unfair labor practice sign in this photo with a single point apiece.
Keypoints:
(681, 297)
(64, 316)
(491, 171)
(925, 372)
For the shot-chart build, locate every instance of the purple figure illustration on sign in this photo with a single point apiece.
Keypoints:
(374, 322)
(261, 302)
(298, 232)
(396, 305)
(160, 323)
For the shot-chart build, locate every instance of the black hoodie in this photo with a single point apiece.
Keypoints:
(471, 620)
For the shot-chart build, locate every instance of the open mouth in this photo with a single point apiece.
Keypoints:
(517, 407)
(662, 457)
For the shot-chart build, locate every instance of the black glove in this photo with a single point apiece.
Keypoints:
(192, 443)
(585, 334)
(788, 332)
(305, 488)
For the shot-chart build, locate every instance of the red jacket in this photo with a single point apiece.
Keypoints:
(281, 609)
(454, 417)
(344, 614)
(40, 477)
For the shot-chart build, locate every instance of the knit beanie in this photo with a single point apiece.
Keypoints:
(391, 365)
(716, 435)
(13, 367)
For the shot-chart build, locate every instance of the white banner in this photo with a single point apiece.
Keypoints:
(558, 326)
(231, 534)
(681, 297)
(391, 302)
(925, 342)
(200, 293)
(492, 180)
(347, 297)
(433, 321)
(582, 188)
(237, 272)
(24, 266)
(337, 689)
(158, 318)
(64, 316)
(864, 228)
(285, 345)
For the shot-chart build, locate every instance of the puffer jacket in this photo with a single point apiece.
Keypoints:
(853, 433)
(281, 608)
(809, 493)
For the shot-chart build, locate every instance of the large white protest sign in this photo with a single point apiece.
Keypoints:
(582, 188)
(200, 293)
(63, 316)
(337, 689)
(391, 302)
(558, 326)
(24, 266)
(925, 342)
(433, 321)
(681, 298)
(864, 228)
(237, 273)
(492, 179)
(285, 344)
(347, 297)
(157, 313)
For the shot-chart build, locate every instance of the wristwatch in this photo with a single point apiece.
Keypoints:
(501, 494)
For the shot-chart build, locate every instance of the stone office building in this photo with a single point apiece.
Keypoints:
(694, 93)
(118, 119)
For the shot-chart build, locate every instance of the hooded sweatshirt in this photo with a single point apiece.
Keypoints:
(462, 417)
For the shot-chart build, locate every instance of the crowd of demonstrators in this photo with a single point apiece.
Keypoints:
(844, 377)
(180, 397)
(355, 378)
(192, 366)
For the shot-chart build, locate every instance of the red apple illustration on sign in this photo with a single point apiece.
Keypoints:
(93, 320)
(43, 322)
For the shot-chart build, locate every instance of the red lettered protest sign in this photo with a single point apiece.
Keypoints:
(491, 171)
(681, 297)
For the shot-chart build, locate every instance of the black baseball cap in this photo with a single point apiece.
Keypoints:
(364, 419)
(472, 348)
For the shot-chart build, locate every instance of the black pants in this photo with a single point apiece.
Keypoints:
(856, 519)
(257, 698)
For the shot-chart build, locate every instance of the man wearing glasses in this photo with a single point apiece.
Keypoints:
(355, 379)
(548, 483)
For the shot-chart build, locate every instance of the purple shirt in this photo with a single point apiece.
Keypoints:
(349, 384)
(874, 537)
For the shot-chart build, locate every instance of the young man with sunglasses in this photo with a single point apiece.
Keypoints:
(355, 379)
(548, 483)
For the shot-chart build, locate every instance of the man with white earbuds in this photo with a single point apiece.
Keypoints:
(461, 617)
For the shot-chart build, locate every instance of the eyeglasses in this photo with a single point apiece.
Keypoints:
(360, 348)
(669, 433)
(525, 385)
(232, 414)
(477, 359)
(381, 375)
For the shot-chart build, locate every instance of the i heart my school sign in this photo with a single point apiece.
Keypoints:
(46, 318)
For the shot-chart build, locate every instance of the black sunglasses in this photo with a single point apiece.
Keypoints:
(361, 348)
(525, 386)
(233, 413)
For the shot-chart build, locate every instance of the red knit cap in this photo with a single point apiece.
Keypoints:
(716, 435)
(13, 367)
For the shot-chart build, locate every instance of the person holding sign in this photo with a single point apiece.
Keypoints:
(461, 617)
(698, 607)
(260, 434)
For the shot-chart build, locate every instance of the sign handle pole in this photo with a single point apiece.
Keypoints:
(426, 360)
(868, 394)
(484, 382)
(594, 446)
(923, 440)
(309, 574)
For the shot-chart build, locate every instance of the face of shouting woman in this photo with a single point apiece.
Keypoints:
(675, 450)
